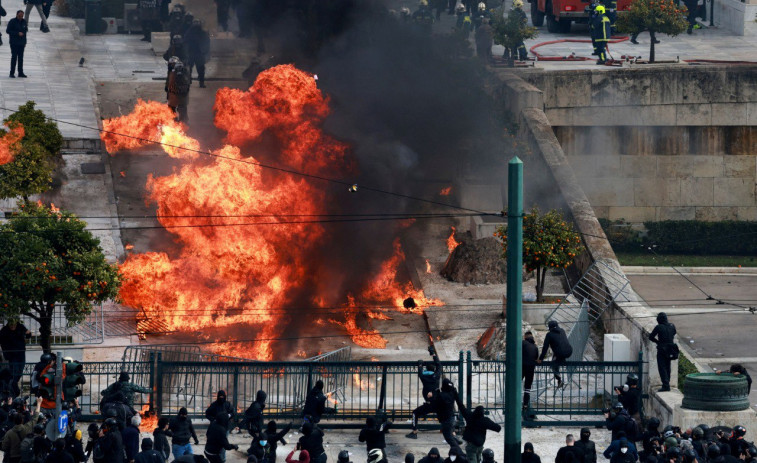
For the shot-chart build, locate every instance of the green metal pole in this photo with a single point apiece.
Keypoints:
(513, 348)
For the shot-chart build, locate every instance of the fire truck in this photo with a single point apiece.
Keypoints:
(560, 14)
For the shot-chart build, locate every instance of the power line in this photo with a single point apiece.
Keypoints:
(268, 166)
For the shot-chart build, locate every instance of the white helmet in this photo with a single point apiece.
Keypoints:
(375, 455)
(460, 8)
(405, 11)
(481, 6)
(423, 3)
(517, 3)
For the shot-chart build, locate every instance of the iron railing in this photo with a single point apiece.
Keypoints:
(356, 389)
(88, 331)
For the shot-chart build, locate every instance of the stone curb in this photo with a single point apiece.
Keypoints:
(642, 270)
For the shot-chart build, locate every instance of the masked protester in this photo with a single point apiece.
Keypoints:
(315, 404)
(218, 441)
(476, 425)
(261, 448)
(274, 437)
(587, 446)
(432, 457)
(182, 430)
(253, 416)
(374, 434)
(528, 455)
(623, 455)
(312, 441)
(456, 456)
(429, 374)
(558, 342)
(664, 336)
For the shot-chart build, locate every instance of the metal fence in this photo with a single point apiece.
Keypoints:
(588, 390)
(89, 331)
(355, 389)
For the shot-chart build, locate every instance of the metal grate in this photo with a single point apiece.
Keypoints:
(88, 331)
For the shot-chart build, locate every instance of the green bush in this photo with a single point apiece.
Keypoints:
(685, 367)
(696, 237)
(621, 236)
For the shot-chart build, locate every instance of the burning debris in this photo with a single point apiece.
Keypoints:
(9, 143)
(230, 271)
(476, 262)
(428, 267)
(446, 191)
(451, 242)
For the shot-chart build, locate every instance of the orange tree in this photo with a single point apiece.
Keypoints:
(662, 16)
(548, 241)
(47, 258)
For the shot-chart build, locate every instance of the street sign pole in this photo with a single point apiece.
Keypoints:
(513, 347)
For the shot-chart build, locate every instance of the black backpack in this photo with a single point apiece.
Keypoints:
(633, 433)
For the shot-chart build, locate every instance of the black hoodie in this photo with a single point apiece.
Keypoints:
(312, 440)
(315, 403)
(444, 400)
(254, 413)
(217, 439)
(429, 458)
(275, 437)
(530, 352)
(476, 425)
(556, 340)
(664, 333)
(221, 405)
(373, 435)
(460, 456)
(587, 446)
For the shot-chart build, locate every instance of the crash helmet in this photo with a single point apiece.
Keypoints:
(460, 8)
(633, 378)
(739, 431)
(697, 433)
(599, 9)
(617, 406)
(423, 3)
(653, 423)
(488, 455)
(482, 6)
(177, 39)
(405, 11)
(375, 455)
(344, 457)
(517, 3)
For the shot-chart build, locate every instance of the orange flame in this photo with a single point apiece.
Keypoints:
(428, 266)
(446, 191)
(9, 143)
(451, 242)
(149, 419)
(363, 384)
(226, 272)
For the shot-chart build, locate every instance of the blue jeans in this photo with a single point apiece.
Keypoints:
(179, 450)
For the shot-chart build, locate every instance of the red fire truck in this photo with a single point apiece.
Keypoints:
(560, 14)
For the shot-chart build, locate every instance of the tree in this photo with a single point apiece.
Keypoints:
(511, 30)
(31, 170)
(662, 16)
(47, 258)
(548, 241)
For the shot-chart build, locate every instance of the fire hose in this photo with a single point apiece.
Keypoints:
(570, 57)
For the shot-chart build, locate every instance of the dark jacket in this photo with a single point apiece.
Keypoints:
(274, 437)
(176, 50)
(570, 454)
(664, 333)
(130, 436)
(589, 450)
(600, 28)
(530, 352)
(430, 381)
(615, 448)
(373, 435)
(631, 400)
(221, 405)
(529, 457)
(429, 459)
(11, 445)
(197, 43)
(557, 340)
(315, 405)
(262, 454)
(13, 342)
(254, 413)
(618, 423)
(161, 442)
(443, 401)
(476, 425)
(311, 440)
(461, 458)
(619, 457)
(112, 447)
(59, 456)
(149, 456)
(75, 448)
(217, 438)
(182, 430)
(15, 26)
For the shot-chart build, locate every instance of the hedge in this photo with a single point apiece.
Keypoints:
(685, 237)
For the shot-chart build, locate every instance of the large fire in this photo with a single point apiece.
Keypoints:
(228, 271)
(9, 143)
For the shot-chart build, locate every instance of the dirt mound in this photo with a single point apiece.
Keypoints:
(475, 261)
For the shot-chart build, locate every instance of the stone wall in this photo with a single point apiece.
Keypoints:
(666, 143)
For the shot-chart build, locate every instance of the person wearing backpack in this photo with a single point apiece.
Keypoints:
(35, 446)
(618, 422)
(558, 341)
(11, 445)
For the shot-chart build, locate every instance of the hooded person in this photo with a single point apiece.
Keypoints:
(587, 446)
(530, 354)
(182, 430)
(455, 456)
(558, 342)
(253, 416)
(433, 456)
(409, 458)
(312, 441)
(315, 404)
(476, 425)
(221, 406)
(374, 434)
(623, 455)
(664, 336)
(261, 448)
(429, 374)
(126, 388)
(615, 445)
(274, 437)
(443, 403)
(650, 433)
(528, 455)
(218, 441)
(148, 453)
(303, 457)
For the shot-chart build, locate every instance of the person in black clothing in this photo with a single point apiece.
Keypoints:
(432, 457)
(13, 336)
(476, 425)
(182, 429)
(59, 454)
(443, 403)
(654, 454)
(652, 432)
(429, 375)
(617, 421)
(409, 458)
(312, 441)
(373, 434)
(198, 49)
(16, 30)
(663, 335)
(528, 455)
(530, 357)
(148, 453)
(570, 453)
(274, 437)
(260, 448)
(253, 416)
(130, 437)
(738, 369)
(221, 405)
(75, 448)
(630, 396)
(161, 435)
(587, 446)
(624, 455)
(556, 340)
(176, 49)
(737, 442)
(222, 13)
(315, 404)
(217, 438)
(456, 456)
(109, 445)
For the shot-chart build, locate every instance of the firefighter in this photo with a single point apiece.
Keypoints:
(600, 33)
(423, 17)
(611, 7)
(178, 91)
(520, 50)
(481, 14)
(464, 24)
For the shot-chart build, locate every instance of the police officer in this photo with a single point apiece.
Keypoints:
(149, 18)
(600, 33)
(663, 335)
(176, 20)
(198, 49)
(176, 49)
